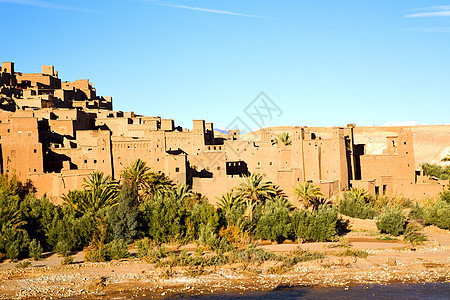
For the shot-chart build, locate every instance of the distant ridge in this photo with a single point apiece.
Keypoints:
(404, 123)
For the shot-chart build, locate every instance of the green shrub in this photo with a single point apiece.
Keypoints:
(351, 252)
(14, 243)
(202, 214)
(117, 249)
(69, 231)
(356, 208)
(412, 233)
(144, 247)
(63, 248)
(251, 254)
(439, 214)
(123, 217)
(24, 264)
(436, 171)
(35, 250)
(97, 255)
(164, 216)
(68, 260)
(275, 222)
(391, 221)
(417, 212)
(316, 226)
(210, 238)
(38, 215)
(300, 255)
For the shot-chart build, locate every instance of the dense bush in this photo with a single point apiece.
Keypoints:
(445, 196)
(123, 218)
(356, 208)
(164, 217)
(35, 249)
(436, 171)
(14, 243)
(200, 216)
(391, 221)
(275, 223)
(118, 249)
(439, 214)
(412, 233)
(417, 212)
(317, 226)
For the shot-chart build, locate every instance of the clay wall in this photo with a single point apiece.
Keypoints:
(21, 151)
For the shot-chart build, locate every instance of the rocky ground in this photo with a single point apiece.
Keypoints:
(388, 261)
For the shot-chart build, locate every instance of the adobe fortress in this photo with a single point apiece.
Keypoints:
(56, 133)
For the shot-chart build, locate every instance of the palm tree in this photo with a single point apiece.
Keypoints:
(100, 191)
(285, 138)
(253, 190)
(74, 199)
(137, 174)
(183, 193)
(284, 202)
(158, 182)
(359, 194)
(446, 157)
(228, 201)
(307, 191)
(316, 202)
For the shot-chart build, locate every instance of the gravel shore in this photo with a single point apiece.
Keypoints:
(135, 278)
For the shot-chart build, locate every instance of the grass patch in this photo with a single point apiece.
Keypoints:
(24, 264)
(350, 252)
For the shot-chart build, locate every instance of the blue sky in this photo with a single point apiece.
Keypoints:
(324, 63)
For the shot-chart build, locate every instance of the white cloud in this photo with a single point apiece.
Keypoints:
(432, 11)
(208, 10)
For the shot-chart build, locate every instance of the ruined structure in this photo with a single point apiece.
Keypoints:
(56, 133)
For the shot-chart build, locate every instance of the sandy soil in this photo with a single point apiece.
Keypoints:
(388, 261)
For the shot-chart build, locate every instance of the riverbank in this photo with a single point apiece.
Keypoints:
(387, 262)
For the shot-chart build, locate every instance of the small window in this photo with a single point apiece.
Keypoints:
(85, 161)
(259, 163)
(270, 163)
(29, 133)
(95, 161)
(157, 159)
(34, 170)
(218, 168)
(9, 130)
(35, 150)
(177, 169)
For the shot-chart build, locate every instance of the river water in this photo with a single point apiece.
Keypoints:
(390, 291)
